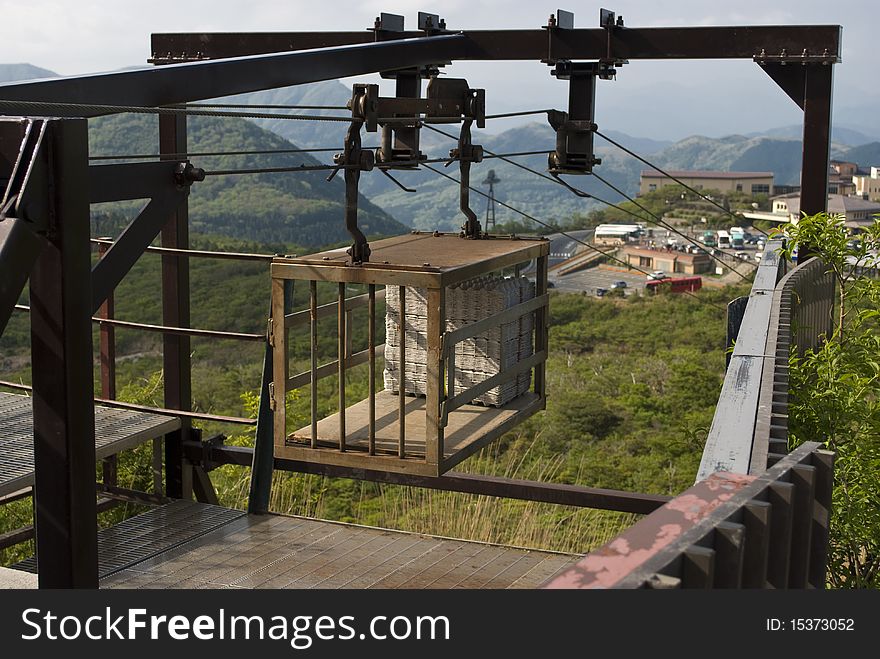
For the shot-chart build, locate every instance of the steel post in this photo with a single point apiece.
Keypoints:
(61, 340)
(817, 142)
(176, 348)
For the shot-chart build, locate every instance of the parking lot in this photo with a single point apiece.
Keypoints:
(592, 278)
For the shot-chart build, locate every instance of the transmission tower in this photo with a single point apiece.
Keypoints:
(491, 180)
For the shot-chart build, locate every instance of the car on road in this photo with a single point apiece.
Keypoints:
(618, 284)
(657, 275)
(600, 292)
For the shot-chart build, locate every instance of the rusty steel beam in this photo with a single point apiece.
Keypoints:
(743, 42)
(169, 85)
(495, 486)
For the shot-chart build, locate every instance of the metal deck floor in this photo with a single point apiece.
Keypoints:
(275, 551)
(115, 430)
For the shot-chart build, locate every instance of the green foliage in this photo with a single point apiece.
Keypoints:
(835, 399)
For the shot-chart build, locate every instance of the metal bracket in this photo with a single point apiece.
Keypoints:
(185, 174)
(467, 153)
(354, 160)
(804, 58)
(272, 395)
(431, 23)
(575, 128)
(387, 23)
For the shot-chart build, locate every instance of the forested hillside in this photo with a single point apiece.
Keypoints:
(290, 207)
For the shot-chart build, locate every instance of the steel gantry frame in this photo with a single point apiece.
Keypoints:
(49, 240)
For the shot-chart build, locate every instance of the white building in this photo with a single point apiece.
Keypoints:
(858, 212)
(868, 185)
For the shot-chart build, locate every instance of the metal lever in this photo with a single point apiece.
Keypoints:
(354, 160)
(466, 153)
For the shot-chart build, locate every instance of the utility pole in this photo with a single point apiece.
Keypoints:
(491, 180)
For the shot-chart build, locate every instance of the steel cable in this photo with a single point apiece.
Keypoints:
(47, 108)
(668, 175)
(563, 233)
(599, 199)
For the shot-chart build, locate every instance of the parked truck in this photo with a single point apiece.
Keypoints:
(737, 237)
(723, 239)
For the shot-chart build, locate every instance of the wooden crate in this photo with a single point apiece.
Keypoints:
(391, 431)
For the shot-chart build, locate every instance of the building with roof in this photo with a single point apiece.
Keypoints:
(840, 177)
(867, 186)
(753, 183)
(667, 260)
(859, 213)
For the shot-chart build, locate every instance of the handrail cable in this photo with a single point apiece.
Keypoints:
(312, 168)
(107, 402)
(235, 256)
(266, 106)
(208, 154)
(165, 329)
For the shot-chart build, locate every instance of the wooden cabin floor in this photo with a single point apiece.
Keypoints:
(467, 424)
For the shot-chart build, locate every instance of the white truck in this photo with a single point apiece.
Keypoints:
(737, 237)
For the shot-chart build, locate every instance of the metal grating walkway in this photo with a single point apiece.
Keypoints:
(115, 430)
(153, 532)
(274, 551)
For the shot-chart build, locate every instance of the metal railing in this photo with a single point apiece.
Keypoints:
(803, 304)
(782, 310)
(728, 531)
(758, 516)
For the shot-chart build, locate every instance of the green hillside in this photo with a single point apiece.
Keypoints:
(300, 207)
(305, 133)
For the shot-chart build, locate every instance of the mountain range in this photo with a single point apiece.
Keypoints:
(299, 207)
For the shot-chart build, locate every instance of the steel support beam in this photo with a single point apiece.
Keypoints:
(132, 242)
(580, 44)
(169, 85)
(264, 443)
(818, 84)
(138, 180)
(566, 495)
(61, 340)
(19, 249)
(176, 348)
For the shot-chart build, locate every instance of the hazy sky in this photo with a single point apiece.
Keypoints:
(662, 99)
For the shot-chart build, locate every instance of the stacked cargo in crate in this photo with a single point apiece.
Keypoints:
(476, 358)
(473, 347)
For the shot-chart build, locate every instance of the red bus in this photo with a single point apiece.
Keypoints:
(680, 285)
